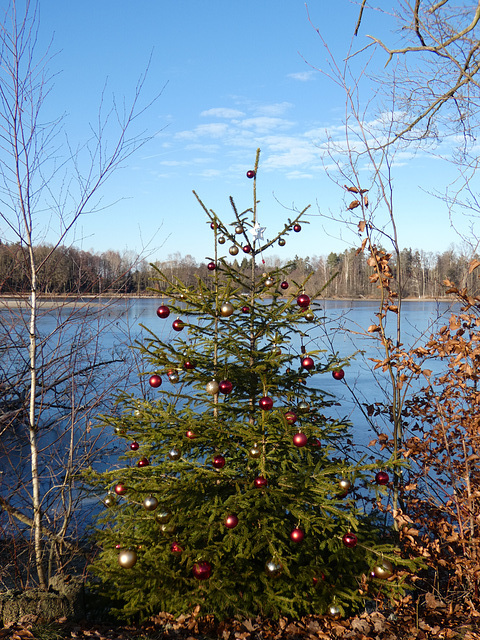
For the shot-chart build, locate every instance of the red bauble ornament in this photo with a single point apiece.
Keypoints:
(382, 478)
(178, 324)
(308, 363)
(300, 439)
(231, 521)
(225, 387)
(303, 300)
(176, 548)
(245, 309)
(202, 570)
(218, 462)
(291, 417)
(163, 311)
(297, 535)
(211, 266)
(297, 228)
(120, 489)
(134, 446)
(155, 381)
(191, 435)
(144, 462)
(260, 482)
(350, 540)
(247, 248)
(265, 403)
(338, 374)
(284, 285)
(250, 174)
(189, 365)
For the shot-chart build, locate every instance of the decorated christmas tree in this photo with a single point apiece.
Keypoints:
(238, 496)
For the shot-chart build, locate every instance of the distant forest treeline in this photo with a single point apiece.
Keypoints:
(73, 271)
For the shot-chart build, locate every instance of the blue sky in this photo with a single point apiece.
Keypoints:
(235, 76)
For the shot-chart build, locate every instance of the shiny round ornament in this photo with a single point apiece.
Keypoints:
(213, 225)
(225, 387)
(265, 403)
(221, 240)
(382, 478)
(297, 535)
(178, 325)
(127, 558)
(269, 282)
(110, 500)
(168, 529)
(247, 248)
(383, 569)
(144, 462)
(150, 503)
(309, 315)
(218, 462)
(226, 309)
(297, 228)
(189, 365)
(251, 174)
(238, 229)
(260, 482)
(163, 311)
(334, 611)
(291, 417)
(173, 376)
(245, 309)
(212, 387)
(191, 435)
(300, 439)
(350, 540)
(120, 489)
(202, 570)
(211, 266)
(308, 363)
(155, 381)
(120, 431)
(174, 454)
(303, 300)
(231, 521)
(284, 285)
(345, 484)
(255, 452)
(176, 549)
(233, 250)
(338, 374)
(273, 569)
(303, 406)
(134, 446)
(282, 242)
(163, 516)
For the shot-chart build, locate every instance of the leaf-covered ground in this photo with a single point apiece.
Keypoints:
(435, 620)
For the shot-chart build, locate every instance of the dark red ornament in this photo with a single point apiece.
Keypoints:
(176, 548)
(300, 439)
(134, 446)
(303, 300)
(189, 365)
(350, 540)
(163, 311)
(225, 387)
(231, 521)
(250, 174)
(260, 482)
(155, 381)
(211, 266)
(338, 374)
(308, 363)
(245, 309)
(291, 417)
(382, 478)
(120, 489)
(191, 435)
(284, 285)
(202, 570)
(144, 462)
(178, 324)
(218, 462)
(297, 535)
(297, 228)
(247, 248)
(265, 403)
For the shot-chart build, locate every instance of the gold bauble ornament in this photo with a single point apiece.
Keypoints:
(221, 240)
(150, 503)
(238, 229)
(174, 454)
(162, 517)
(273, 568)
(269, 282)
(255, 451)
(109, 500)
(309, 315)
(226, 309)
(383, 569)
(334, 611)
(345, 484)
(282, 242)
(233, 250)
(127, 558)
(303, 406)
(168, 529)
(212, 387)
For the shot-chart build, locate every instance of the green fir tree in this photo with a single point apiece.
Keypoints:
(237, 495)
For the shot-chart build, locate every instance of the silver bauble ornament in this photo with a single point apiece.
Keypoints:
(334, 611)
(127, 558)
(221, 240)
(273, 568)
(303, 406)
(150, 503)
(212, 387)
(226, 309)
(233, 250)
(174, 454)
(269, 282)
(310, 316)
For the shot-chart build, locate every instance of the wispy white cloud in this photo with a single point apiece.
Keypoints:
(265, 124)
(273, 110)
(213, 130)
(302, 76)
(222, 112)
